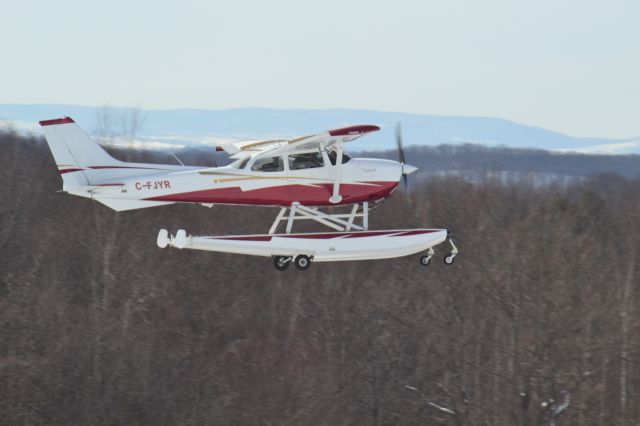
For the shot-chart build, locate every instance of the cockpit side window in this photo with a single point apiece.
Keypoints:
(269, 164)
(305, 161)
(333, 156)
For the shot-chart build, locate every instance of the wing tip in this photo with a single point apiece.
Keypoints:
(354, 130)
(55, 121)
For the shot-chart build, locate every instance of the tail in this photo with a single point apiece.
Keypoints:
(75, 152)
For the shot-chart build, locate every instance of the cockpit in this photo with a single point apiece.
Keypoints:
(240, 163)
(333, 157)
(305, 161)
(309, 160)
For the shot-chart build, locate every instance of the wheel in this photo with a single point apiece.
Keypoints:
(281, 263)
(425, 260)
(303, 262)
(448, 260)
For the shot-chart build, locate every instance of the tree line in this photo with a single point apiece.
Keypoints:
(536, 322)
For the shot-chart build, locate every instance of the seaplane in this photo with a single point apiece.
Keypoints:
(306, 178)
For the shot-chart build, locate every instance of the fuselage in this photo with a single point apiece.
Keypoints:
(312, 170)
(360, 180)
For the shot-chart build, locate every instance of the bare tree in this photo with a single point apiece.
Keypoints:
(118, 125)
(98, 326)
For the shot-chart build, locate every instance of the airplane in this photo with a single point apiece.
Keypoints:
(300, 176)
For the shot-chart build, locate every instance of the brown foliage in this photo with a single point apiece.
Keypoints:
(99, 326)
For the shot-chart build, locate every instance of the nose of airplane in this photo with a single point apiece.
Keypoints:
(407, 169)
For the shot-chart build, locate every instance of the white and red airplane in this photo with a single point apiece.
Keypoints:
(300, 176)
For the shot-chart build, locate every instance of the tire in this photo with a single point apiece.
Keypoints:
(448, 259)
(281, 263)
(302, 262)
(425, 260)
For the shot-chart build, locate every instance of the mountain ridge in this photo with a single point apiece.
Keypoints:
(192, 126)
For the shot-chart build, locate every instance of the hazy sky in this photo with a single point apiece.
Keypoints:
(567, 65)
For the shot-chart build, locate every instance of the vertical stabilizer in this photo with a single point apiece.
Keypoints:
(74, 151)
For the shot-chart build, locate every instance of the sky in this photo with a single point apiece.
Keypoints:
(567, 65)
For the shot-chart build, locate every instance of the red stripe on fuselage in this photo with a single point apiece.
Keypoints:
(284, 195)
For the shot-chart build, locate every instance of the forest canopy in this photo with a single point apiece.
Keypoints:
(100, 326)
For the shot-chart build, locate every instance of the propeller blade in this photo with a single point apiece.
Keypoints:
(401, 156)
(399, 143)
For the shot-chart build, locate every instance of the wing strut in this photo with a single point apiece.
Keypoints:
(336, 197)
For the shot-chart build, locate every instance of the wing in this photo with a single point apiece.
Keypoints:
(325, 139)
(246, 148)
(301, 144)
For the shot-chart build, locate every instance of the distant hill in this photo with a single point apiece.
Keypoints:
(476, 161)
(469, 161)
(194, 127)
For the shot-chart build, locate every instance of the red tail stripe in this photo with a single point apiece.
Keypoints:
(109, 167)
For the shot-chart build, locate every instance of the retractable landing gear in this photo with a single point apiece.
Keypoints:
(426, 260)
(282, 263)
(302, 262)
(448, 260)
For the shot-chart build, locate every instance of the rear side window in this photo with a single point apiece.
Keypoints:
(305, 161)
(273, 164)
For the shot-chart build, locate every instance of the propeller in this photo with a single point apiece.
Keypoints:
(406, 168)
(401, 157)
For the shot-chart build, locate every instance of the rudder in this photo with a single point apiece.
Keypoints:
(74, 151)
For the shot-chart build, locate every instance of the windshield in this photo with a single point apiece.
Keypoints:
(240, 163)
(333, 156)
